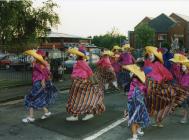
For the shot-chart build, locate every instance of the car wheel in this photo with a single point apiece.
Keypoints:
(7, 66)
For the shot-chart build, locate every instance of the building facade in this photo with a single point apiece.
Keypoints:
(62, 41)
(173, 29)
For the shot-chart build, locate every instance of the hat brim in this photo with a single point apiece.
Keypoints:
(127, 49)
(136, 70)
(152, 49)
(179, 58)
(109, 53)
(186, 64)
(116, 48)
(78, 53)
(179, 61)
(36, 56)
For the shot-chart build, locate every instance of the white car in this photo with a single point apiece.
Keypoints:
(69, 63)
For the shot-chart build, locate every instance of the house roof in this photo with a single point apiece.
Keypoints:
(150, 18)
(186, 18)
(144, 20)
(63, 35)
(162, 23)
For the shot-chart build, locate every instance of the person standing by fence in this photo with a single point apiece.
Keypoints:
(60, 72)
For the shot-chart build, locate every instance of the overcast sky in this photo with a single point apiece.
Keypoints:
(96, 17)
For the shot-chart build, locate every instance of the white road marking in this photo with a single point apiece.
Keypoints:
(64, 91)
(12, 102)
(104, 130)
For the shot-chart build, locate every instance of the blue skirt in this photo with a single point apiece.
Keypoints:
(137, 110)
(39, 97)
(51, 92)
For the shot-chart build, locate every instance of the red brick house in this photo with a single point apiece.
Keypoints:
(167, 28)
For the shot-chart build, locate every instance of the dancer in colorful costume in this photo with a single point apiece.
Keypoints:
(50, 88)
(40, 97)
(181, 73)
(160, 95)
(116, 64)
(126, 58)
(138, 114)
(105, 72)
(85, 97)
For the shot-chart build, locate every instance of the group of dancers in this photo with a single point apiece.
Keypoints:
(155, 84)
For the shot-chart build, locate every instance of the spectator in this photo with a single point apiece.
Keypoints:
(60, 72)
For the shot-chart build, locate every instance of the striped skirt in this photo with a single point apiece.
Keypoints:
(85, 98)
(105, 75)
(163, 97)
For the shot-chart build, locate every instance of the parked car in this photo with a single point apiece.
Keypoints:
(71, 61)
(7, 60)
(2, 55)
(23, 62)
(16, 62)
(96, 51)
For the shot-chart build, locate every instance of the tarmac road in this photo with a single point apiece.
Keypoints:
(11, 127)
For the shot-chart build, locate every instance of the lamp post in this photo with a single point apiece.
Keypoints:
(62, 57)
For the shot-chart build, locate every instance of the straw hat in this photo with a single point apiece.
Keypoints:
(76, 52)
(116, 48)
(127, 47)
(108, 52)
(179, 58)
(136, 70)
(154, 50)
(186, 64)
(35, 55)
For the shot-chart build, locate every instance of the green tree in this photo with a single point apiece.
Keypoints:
(21, 25)
(144, 35)
(108, 40)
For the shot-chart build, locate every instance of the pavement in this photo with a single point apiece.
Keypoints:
(11, 93)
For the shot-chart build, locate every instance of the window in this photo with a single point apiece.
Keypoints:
(162, 37)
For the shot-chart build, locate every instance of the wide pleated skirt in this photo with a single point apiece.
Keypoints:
(163, 97)
(85, 98)
(137, 109)
(51, 92)
(40, 97)
(105, 75)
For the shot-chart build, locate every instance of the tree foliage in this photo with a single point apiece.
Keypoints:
(109, 40)
(144, 35)
(21, 24)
